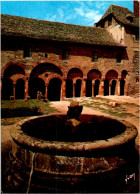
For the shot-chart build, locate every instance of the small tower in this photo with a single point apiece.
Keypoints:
(136, 8)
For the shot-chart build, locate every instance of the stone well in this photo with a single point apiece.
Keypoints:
(46, 157)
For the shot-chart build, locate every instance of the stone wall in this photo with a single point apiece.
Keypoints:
(50, 53)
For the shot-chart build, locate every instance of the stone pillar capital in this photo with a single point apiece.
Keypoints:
(27, 79)
(74, 82)
(64, 78)
(102, 79)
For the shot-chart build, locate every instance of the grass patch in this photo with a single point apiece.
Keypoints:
(14, 110)
(117, 111)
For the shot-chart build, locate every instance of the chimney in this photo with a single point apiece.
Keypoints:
(136, 8)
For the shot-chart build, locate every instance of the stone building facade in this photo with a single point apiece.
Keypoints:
(64, 60)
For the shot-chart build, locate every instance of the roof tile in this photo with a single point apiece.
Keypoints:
(54, 31)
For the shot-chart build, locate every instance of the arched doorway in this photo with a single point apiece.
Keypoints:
(113, 86)
(7, 89)
(69, 88)
(88, 88)
(78, 88)
(106, 87)
(20, 89)
(35, 85)
(54, 89)
(96, 87)
(122, 84)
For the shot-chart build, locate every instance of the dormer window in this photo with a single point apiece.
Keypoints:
(109, 21)
(27, 52)
(119, 58)
(130, 18)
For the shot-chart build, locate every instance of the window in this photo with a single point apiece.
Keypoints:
(109, 21)
(137, 37)
(119, 58)
(94, 57)
(27, 53)
(129, 17)
(46, 55)
(65, 54)
(135, 34)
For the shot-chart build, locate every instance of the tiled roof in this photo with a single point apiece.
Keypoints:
(54, 31)
(121, 15)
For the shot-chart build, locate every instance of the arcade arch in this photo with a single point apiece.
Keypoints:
(93, 82)
(48, 79)
(69, 88)
(110, 83)
(6, 93)
(20, 88)
(11, 75)
(36, 84)
(54, 89)
(123, 83)
(74, 82)
(41, 75)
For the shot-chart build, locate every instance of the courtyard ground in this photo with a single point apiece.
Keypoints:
(127, 108)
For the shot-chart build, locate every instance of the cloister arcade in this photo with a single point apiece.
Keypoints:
(19, 82)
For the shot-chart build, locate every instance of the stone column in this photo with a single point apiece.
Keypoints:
(26, 87)
(126, 88)
(93, 84)
(118, 87)
(46, 90)
(1, 86)
(83, 88)
(110, 84)
(101, 87)
(14, 90)
(63, 89)
(74, 83)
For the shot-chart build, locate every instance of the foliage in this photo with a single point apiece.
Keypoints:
(15, 110)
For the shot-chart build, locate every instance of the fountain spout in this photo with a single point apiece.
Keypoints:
(74, 110)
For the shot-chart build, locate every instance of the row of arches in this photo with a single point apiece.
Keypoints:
(49, 79)
(54, 88)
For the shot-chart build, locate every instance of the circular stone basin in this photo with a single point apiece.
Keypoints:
(66, 161)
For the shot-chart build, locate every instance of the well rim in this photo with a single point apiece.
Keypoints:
(36, 144)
